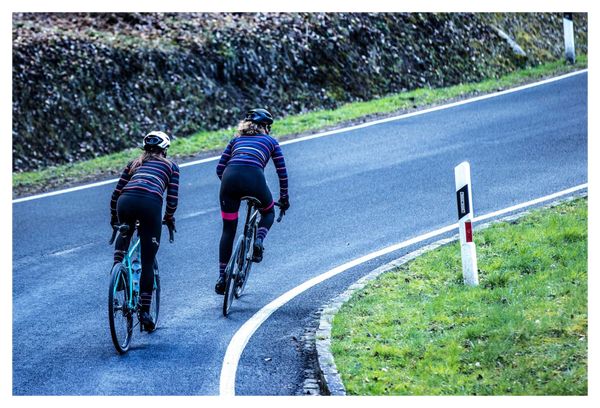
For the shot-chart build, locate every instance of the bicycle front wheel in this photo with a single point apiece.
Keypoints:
(120, 316)
(234, 266)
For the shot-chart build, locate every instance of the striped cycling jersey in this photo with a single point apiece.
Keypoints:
(152, 177)
(255, 150)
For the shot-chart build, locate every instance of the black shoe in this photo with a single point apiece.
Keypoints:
(220, 286)
(146, 321)
(257, 253)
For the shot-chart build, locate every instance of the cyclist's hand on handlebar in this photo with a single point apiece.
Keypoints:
(114, 221)
(284, 203)
(169, 222)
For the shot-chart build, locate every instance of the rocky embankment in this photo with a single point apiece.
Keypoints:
(90, 84)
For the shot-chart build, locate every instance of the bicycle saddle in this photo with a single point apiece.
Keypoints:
(252, 200)
(124, 228)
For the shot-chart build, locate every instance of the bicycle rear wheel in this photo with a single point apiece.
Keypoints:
(120, 316)
(234, 266)
(245, 271)
(155, 306)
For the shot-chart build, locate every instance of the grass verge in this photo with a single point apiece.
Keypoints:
(287, 127)
(523, 331)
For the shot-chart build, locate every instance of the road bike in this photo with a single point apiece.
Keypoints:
(124, 292)
(238, 268)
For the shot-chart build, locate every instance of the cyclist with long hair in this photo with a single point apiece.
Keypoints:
(241, 170)
(138, 196)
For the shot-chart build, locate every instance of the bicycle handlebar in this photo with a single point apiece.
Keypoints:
(125, 228)
(171, 233)
(118, 228)
(114, 235)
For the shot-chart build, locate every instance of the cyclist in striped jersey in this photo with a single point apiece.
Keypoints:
(241, 170)
(138, 196)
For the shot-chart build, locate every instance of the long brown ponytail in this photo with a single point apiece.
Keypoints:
(248, 128)
(145, 156)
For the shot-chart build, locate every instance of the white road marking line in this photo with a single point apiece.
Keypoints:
(331, 132)
(242, 336)
(67, 190)
(197, 213)
(70, 250)
(435, 108)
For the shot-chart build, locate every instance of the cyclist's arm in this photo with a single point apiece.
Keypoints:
(125, 177)
(224, 159)
(279, 163)
(172, 192)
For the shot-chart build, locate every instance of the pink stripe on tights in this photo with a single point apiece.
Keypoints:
(229, 216)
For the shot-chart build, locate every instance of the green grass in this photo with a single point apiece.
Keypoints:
(206, 141)
(523, 331)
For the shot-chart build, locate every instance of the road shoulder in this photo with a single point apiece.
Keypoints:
(327, 374)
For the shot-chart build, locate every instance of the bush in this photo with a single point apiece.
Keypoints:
(85, 85)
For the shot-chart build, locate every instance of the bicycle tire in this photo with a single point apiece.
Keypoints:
(243, 279)
(155, 305)
(120, 317)
(231, 272)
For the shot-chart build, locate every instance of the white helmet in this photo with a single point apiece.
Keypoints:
(156, 139)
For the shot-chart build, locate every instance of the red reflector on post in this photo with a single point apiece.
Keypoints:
(468, 232)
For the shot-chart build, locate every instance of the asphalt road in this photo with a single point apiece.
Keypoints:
(351, 193)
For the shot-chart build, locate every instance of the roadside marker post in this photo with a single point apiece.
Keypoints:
(569, 38)
(464, 201)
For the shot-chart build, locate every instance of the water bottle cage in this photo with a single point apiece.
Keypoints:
(136, 275)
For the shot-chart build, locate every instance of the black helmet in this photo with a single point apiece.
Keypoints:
(260, 116)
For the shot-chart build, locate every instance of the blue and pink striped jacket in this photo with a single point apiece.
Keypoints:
(255, 150)
(152, 177)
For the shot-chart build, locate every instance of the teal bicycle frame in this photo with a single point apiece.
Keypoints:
(133, 253)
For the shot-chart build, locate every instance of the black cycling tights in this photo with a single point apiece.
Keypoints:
(237, 182)
(147, 209)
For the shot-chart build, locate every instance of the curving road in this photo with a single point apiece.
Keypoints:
(352, 193)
